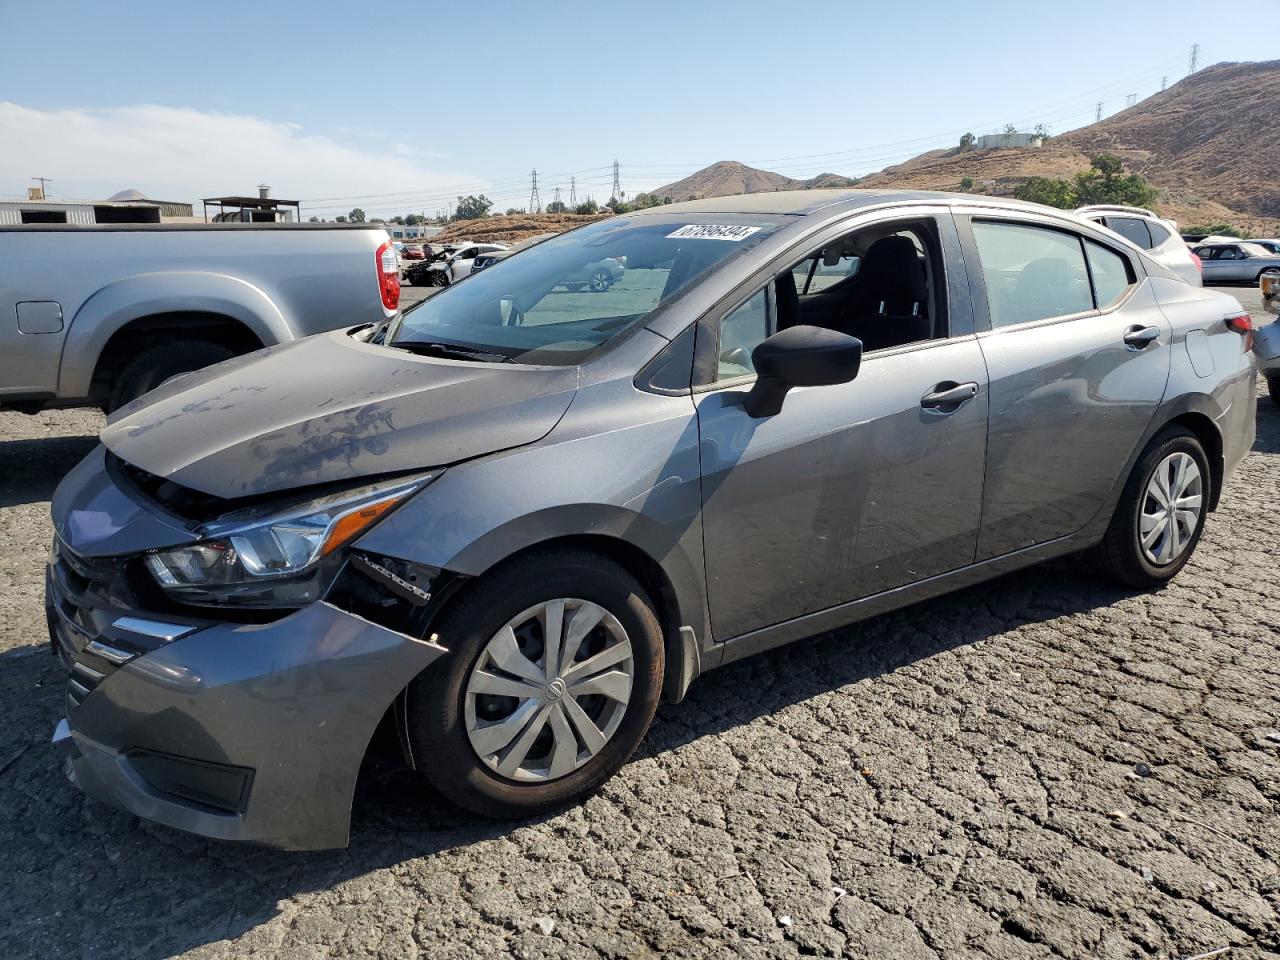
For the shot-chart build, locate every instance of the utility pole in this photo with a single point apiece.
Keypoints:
(1164, 82)
(1193, 60)
(573, 192)
(44, 195)
(535, 201)
(1130, 100)
(1097, 114)
(616, 193)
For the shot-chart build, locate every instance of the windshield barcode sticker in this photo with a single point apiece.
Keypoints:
(712, 231)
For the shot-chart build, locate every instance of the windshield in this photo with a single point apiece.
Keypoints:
(558, 301)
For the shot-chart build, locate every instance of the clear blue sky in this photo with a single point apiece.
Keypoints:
(420, 99)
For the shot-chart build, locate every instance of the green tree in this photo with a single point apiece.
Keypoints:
(619, 206)
(1104, 183)
(514, 211)
(966, 183)
(313, 220)
(340, 219)
(472, 207)
(587, 207)
(412, 219)
(356, 216)
(968, 141)
(1050, 192)
(556, 206)
(1009, 128)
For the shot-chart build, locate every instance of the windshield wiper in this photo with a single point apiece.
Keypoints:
(450, 351)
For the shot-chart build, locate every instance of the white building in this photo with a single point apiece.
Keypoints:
(989, 141)
(419, 231)
(125, 207)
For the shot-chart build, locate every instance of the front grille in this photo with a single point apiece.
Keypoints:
(86, 601)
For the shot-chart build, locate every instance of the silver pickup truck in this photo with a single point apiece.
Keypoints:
(100, 315)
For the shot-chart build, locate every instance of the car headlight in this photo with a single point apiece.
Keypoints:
(276, 556)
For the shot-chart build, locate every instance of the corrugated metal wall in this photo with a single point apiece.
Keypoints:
(11, 212)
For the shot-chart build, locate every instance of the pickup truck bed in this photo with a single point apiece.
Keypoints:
(101, 314)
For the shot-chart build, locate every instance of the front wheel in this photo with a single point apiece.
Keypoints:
(153, 367)
(1273, 388)
(553, 675)
(1269, 272)
(600, 281)
(1160, 516)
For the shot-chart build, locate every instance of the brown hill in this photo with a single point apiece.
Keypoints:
(724, 179)
(1208, 144)
(1215, 134)
(509, 229)
(729, 178)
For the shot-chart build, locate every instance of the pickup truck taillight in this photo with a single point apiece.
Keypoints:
(1242, 324)
(388, 277)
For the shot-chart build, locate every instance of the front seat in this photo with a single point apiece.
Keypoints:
(888, 306)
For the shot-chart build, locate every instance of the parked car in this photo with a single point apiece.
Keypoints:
(1266, 340)
(1272, 246)
(1156, 235)
(597, 276)
(412, 251)
(1239, 262)
(105, 313)
(500, 528)
(484, 260)
(452, 264)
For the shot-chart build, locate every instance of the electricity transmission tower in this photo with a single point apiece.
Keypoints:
(1097, 114)
(556, 199)
(616, 193)
(573, 192)
(1193, 59)
(1130, 100)
(1164, 82)
(535, 201)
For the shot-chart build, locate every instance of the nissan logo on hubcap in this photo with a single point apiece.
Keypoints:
(554, 690)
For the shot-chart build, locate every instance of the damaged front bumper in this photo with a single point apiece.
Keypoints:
(233, 731)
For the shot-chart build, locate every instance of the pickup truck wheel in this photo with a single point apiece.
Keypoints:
(1160, 516)
(153, 367)
(552, 678)
(1273, 388)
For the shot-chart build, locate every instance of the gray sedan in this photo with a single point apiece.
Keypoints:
(490, 537)
(1241, 262)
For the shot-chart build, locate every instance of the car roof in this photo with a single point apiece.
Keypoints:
(804, 202)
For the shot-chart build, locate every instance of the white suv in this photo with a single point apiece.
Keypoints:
(1157, 236)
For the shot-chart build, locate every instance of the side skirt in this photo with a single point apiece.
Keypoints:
(833, 618)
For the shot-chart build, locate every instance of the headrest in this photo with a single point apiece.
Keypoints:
(893, 264)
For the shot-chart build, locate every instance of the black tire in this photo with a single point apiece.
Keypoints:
(154, 366)
(436, 721)
(1273, 388)
(1269, 272)
(1120, 553)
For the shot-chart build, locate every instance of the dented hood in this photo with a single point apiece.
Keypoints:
(330, 408)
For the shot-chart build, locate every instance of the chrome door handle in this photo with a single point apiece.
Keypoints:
(1139, 337)
(944, 395)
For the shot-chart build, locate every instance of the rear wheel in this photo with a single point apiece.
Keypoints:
(1273, 388)
(601, 281)
(1160, 516)
(553, 675)
(1269, 272)
(153, 367)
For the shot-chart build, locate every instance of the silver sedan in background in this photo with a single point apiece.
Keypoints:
(1242, 262)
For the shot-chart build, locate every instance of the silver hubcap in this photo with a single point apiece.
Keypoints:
(549, 690)
(1171, 509)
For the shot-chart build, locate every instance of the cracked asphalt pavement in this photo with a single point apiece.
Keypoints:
(1041, 766)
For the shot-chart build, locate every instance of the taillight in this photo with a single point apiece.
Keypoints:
(1242, 324)
(388, 277)
(1198, 262)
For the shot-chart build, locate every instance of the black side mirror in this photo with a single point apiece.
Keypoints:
(800, 357)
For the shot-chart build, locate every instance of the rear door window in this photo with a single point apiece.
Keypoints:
(1112, 275)
(1031, 273)
(1131, 229)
